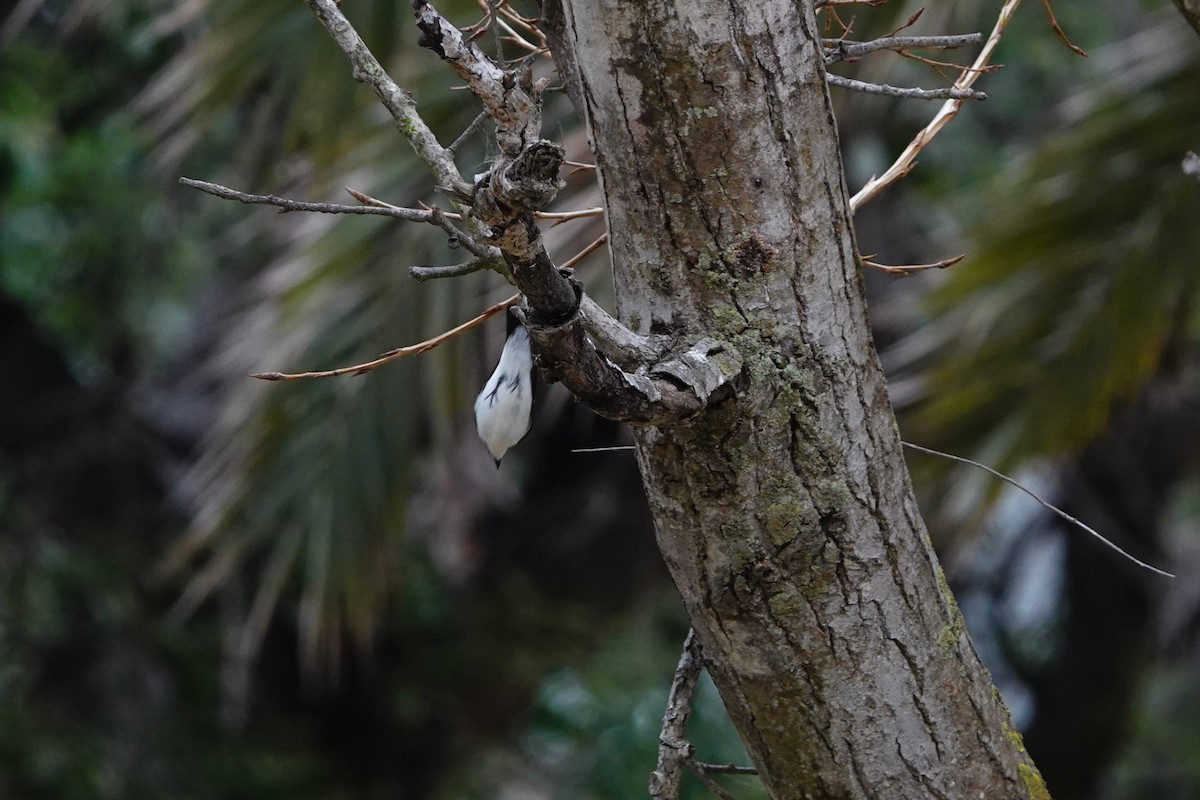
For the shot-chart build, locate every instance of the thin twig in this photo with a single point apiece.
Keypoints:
(585, 252)
(1064, 515)
(284, 204)
(1059, 32)
(726, 769)
(495, 262)
(949, 92)
(911, 21)
(906, 160)
(392, 355)
(564, 216)
(910, 268)
(518, 39)
(674, 750)
(939, 65)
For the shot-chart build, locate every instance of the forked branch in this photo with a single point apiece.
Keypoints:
(949, 110)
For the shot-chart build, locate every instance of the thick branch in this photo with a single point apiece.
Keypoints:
(565, 353)
(622, 345)
(510, 98)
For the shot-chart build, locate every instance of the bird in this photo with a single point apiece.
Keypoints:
(503, 410)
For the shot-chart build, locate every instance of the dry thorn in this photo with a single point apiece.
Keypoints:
(367, 200)
(585, 252)
(393, 355)
(567, 216)
(937, 65)
(908, 269)
(911, 21)
(1062, 35)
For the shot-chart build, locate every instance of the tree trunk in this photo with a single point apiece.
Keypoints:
(784, 511)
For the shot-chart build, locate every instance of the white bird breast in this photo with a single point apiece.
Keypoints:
(503, 409)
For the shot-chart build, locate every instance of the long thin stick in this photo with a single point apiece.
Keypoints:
(392, 355)
(285, 204)
(906, 160)
(1045, 504)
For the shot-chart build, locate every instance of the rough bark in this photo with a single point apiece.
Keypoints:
(783, 510)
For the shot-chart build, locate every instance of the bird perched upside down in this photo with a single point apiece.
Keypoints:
(503, 410)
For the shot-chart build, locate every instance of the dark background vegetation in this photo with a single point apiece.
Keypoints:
(212, 587)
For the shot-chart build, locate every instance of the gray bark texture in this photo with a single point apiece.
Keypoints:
(783, 507)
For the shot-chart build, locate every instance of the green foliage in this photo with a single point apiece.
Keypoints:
(1162, 761)
(98, 701)
(1081, 281)
(87, 242)
(593, 726)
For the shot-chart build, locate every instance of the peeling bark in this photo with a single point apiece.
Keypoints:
(783, 507)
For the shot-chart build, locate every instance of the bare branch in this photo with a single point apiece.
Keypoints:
(513, 105)
(674, 750)
(1050, 507)
(950, 92)
(284, 204)
(840, 49)
(398, 353)
(502, 205)
(396, 100)
(907, 159)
